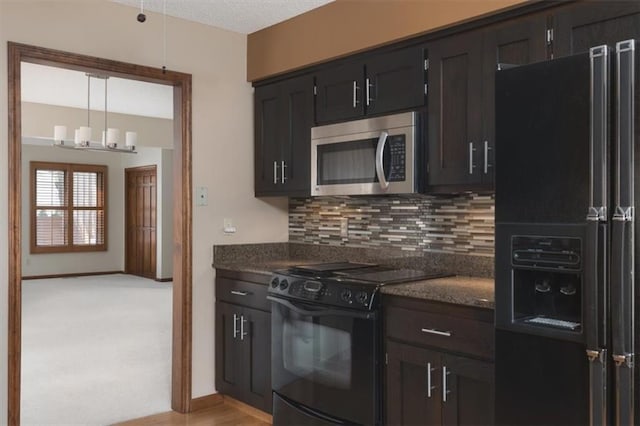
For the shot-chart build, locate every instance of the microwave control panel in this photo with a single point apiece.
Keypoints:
(397, 158)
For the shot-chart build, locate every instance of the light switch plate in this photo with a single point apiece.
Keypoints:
(202, 196)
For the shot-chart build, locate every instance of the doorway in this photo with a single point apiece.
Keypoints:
(182, 325)
(140, 212)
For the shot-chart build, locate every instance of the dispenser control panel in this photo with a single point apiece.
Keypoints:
(562, 253)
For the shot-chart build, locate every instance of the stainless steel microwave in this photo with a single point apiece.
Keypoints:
(370, 156)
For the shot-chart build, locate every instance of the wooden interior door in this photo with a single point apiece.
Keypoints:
(140, 221)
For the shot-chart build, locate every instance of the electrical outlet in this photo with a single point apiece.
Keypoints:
(228, 226)
(344, 227)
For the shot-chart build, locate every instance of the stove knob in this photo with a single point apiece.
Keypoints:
(362, 297)
(346, 295)
(274, 282)
(284, 284)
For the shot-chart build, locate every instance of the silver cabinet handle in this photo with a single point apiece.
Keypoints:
(275, 172)
(242, 333)
(239, 293)
(382, 140)
(445, 391)
(368, 87)
(471, 151)
(487, 148)
(438, 332)
(355, 94)
(235, 326)
(284, 174)
(429, 386)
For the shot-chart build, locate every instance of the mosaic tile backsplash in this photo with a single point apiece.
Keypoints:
(458, 224)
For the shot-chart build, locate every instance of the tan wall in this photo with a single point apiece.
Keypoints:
(222, 135)
(349, 26)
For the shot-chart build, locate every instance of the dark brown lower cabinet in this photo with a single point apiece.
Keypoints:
(439, 363)
(427, 387)
(243, 343)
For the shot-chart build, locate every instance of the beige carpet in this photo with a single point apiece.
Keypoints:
(95, 350)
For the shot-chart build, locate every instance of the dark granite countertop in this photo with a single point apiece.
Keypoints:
(460, 290)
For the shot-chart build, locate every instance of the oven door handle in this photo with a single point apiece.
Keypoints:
(380, 160)
(324, 312)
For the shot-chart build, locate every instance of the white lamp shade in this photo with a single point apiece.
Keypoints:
(112, 136)
(59, 133)
(76, 137)
(85, 134)
(131, 139)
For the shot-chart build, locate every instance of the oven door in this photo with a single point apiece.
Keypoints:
(326, 359)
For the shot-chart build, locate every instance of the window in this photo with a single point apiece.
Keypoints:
(68, 207)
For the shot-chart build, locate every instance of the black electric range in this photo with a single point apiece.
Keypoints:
(326, 342)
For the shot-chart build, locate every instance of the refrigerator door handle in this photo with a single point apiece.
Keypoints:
(598, 414)
(596, 239)
(599, 133)
(623, 228)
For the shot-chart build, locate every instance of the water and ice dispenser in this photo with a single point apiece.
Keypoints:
(547, 282)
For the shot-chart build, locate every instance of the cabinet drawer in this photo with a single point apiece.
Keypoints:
(242, 293)
(441, 331)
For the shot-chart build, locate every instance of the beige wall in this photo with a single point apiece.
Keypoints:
(222, 134)
(348, 26)
(39, 119)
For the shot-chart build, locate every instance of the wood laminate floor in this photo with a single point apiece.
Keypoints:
(223, 414)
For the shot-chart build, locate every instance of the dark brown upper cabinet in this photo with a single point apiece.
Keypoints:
(283, 120)
(383, 83)
(461, 84)
(582, 25)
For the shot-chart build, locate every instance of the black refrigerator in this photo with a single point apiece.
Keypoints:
(566, 240)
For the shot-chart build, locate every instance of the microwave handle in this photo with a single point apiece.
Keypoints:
(379, 157)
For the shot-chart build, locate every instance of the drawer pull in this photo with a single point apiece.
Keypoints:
(438, 332)
(240, 293)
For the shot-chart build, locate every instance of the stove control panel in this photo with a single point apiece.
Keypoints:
(326, 291)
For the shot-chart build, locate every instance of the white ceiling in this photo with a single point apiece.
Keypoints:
(56, 86)
(242, 16)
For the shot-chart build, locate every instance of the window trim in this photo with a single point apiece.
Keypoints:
(69, 169)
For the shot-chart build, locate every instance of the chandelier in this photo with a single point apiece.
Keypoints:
(111, 140)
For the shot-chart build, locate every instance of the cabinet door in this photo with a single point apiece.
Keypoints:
(395, 81)
(229, 355)
(518, 42)
(467, 397)
(297, 120)
(340, 93)
(454, 104)
(267, 123)
(582, 25)
(413, 385)
(257, 358)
